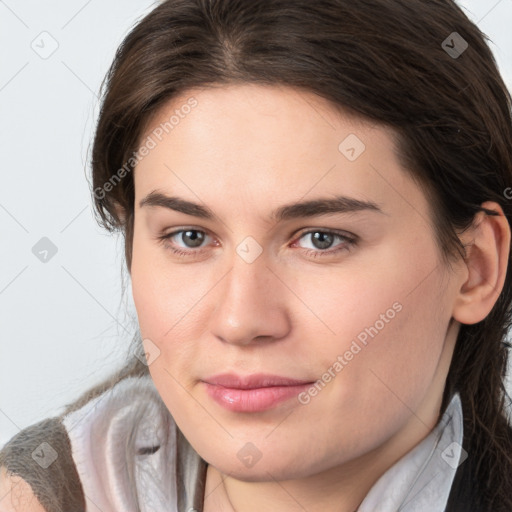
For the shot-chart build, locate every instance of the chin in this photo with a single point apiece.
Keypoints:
(266, 468)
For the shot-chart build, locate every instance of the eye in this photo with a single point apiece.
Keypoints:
(192, 241)
(191, 238)
(322, 240)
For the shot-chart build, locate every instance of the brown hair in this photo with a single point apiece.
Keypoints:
(385, 61)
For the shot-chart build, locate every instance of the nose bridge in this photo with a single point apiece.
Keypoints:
(247, 305)
(249, 279)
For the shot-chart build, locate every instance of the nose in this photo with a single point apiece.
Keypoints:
(251, 305)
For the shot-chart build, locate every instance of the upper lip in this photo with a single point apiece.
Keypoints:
(256, 380)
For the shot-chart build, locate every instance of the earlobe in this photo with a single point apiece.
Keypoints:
(487, 244)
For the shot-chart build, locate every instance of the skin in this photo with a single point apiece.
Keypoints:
(16, 494)
(243, 151)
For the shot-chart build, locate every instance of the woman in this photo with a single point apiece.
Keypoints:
(317, 230)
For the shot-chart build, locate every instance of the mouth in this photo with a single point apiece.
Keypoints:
(252, 393)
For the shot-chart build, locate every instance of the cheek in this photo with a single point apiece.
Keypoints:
(161, 297)
(382, 360)
(387, 320)
(169, 318)
(392, 345)
(168, 323)
(163, 313)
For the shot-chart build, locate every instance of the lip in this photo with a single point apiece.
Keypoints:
(252, 393)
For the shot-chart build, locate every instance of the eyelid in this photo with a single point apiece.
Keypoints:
(331, 231)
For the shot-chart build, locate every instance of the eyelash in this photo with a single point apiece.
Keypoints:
(350, 241)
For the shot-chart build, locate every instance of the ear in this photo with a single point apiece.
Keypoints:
(487, 244)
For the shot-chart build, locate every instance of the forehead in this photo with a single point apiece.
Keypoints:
(266, 143)
(225, 107)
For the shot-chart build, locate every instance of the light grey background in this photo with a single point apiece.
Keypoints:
(63, 323)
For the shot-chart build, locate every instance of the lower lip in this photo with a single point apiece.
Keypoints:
(253, 400)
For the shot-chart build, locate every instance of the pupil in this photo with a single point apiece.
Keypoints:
(196, 239)
(323, 239)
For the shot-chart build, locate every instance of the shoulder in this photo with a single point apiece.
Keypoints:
(36, 462)
(16, 495)
(118, 447)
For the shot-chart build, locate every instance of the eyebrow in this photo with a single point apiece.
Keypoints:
(312, 208)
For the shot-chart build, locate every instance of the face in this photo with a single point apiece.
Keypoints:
(285, 340)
